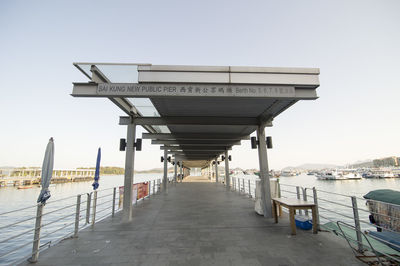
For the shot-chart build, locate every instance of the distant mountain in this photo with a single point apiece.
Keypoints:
(154, 170)
(311, 166)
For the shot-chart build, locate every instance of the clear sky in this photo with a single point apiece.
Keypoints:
(356, 44)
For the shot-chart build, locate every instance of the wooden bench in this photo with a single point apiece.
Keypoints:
(294, 204)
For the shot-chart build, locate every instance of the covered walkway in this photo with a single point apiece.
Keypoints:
(197, 223)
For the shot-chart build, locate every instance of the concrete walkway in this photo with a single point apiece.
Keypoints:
(197, 224)
(196, 179)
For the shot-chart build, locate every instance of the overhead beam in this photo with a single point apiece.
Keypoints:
(196, 155)
(196, 148)
(197, 158)
(148, 90)
(196, 152)
(196, 120)
(197, 142)
(194, 136)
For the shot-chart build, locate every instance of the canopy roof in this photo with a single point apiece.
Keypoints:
(198, 112)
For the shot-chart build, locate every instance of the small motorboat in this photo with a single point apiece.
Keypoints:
(24, 187)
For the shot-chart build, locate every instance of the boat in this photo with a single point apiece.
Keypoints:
(345, 174)
(328, 175)
(24, 187)
(288, 173)
(350, 174)
(384, 206)
(379, 173)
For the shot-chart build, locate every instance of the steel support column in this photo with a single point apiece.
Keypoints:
(165, 180)
(216, 169)
(181, 165)
(264, 172)
(227, 179)
(175, 171)
(129, 167)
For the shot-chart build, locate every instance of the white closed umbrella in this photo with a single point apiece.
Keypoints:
(47, 172)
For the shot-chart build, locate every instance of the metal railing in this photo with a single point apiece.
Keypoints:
(245, 186)
(42, 226)
(336, 207)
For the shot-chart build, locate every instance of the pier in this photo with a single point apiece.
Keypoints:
(197, 223)
(32, 176)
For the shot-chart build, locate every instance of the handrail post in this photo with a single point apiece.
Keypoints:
(249, 189)
(298, 196)
(279, 188)
(305, 198)
(236, 184)
(244, 188)
(94, 207)
(36, 237)
(154, 187)
(316, 206)
(77, 212)
(88, 202)
(113, 202)
(357, 223)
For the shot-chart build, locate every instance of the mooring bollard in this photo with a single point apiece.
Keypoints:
(316, 206)
(77, 212)
(88, 203)
(113, 202)
(36, 237)
(94, 207)
(357, 223)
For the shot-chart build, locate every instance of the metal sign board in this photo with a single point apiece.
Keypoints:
(193, 90)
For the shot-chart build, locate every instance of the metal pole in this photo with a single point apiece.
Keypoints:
(357, 223)
(298, 196)
(165, 181)
(216, 169)
(149, 188)
(181, 165)
(88, 203)
(129, 168)
(244, 188)
(316, 206)
(227, 179)
(77, 212)
(264, 172)
(36, 237)
(154, 187)
(113, 202)
(305, 198)
(175, 171)
(94, 207)
(249, 189)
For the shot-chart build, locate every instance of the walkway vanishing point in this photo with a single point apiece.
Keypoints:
(197, 223)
